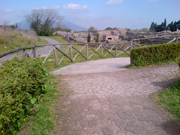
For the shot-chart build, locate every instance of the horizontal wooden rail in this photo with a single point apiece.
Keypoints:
(16, 50)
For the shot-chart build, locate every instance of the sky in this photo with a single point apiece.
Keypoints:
(133, 14)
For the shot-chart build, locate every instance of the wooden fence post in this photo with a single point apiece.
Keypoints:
(34, 52)
(70, 50)
(55, 54)
(116, 51)
(101, 50)
(87, 50)
(177, 39)
(24, 53)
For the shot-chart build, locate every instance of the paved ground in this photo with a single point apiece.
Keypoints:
(43, 51)
(96, 66)
(116, 103)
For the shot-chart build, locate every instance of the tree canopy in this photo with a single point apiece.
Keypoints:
(173, 26)
(43, 20)
(91, 29)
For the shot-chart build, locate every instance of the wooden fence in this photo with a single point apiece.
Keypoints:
(92, 46)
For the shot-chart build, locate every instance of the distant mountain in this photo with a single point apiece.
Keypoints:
(73, 26)
(23, 25)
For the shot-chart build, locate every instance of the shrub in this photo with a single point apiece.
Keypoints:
(22, 84)
(154, 54)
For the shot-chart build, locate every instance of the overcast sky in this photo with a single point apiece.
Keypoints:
(134, 14)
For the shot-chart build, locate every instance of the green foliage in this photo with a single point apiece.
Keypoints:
(154, 54)
(13, 27)
(143, 41)
(170, 99)
(173, 26)
(22, 84)
(97, 39)
(91, 29)
(89, 38)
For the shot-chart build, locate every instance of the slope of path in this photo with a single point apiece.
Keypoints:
(116, 103)
(43, 51)
(96, 66)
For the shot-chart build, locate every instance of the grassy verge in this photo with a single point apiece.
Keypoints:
(57, 38)
(170, 99)
(19, 41)
(154, 64)
(43, 121)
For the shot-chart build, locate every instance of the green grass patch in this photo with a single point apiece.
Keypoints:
(170, 99)
(57, 38)
(41, 42)
(19, 41)
(43, 120)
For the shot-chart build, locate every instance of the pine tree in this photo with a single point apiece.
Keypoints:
(89, 37)
(165, 24)
(97, 38)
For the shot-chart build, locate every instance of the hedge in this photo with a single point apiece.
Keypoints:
(153, 54)
(22, 84)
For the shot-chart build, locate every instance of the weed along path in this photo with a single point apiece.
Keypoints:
(114, 103)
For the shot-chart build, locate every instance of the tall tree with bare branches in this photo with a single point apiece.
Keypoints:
(43, 20)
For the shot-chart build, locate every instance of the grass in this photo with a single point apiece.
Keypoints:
(170, 100)
(43, 121)
(11, 39)
(57, 38)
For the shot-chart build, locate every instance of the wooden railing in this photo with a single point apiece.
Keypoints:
(89, 46)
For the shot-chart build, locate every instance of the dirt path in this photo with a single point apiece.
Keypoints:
(116, 103)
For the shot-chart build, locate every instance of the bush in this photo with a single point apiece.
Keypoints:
(154, 54)
(22, 84)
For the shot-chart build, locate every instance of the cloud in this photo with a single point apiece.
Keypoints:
(114, 1)
(8, 11)
(75, 6)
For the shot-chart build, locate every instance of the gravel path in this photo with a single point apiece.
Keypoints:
(42, 52)
(116, 103)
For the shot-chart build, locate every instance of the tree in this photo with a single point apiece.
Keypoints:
(97, 38)
(165, 24)
(88, 38)
(43, 20)
(91, 29)
(108, 28)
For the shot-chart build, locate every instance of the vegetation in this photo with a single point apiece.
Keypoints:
(23, 84)
(148, 55)
(173, 26)
(89, 38)
(15, 38)
(97, 38)
(42, 21)
(170, 98)
(57, 38)
(91, 29)
(109, 28)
